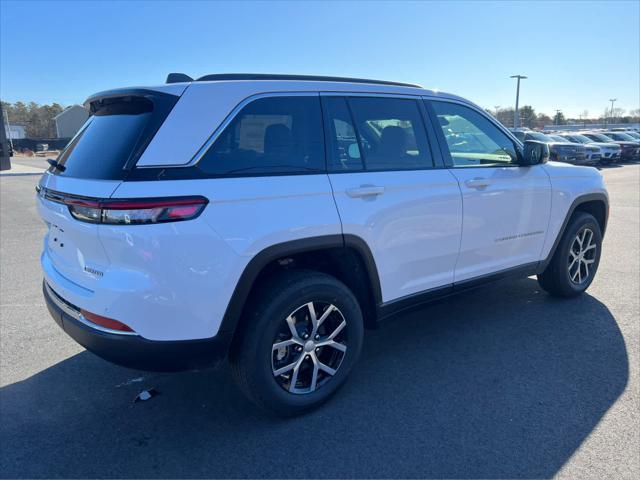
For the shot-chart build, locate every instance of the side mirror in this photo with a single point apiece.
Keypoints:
(534, 153)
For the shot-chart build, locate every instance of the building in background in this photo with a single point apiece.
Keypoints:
(69, 121)
(15, 132)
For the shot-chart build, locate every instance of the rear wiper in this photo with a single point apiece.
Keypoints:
(56, 165)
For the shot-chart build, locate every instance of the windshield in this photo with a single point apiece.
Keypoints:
(600, 137)
(621, 136)
(112, 138)
(538, 136)
(558, 138)
(580, 139)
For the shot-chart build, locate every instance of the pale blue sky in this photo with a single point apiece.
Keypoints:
(577, 54)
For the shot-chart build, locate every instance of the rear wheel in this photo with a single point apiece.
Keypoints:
(575, 261)
(298, 343)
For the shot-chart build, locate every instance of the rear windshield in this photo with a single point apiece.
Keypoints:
(113, 137)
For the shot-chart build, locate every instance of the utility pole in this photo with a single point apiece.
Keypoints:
(612, 100)
(5, 149)
(516, 115)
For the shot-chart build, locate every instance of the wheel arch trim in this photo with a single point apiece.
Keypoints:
(274, 252)
(580, 200)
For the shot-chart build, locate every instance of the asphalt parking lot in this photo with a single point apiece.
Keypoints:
(504, 381)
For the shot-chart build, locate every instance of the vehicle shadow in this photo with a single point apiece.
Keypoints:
(618, 164)
(607, 166)
(504, 381)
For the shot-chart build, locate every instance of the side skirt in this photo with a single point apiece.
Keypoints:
(416, 300)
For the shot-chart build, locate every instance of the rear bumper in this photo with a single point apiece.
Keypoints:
(134, 351)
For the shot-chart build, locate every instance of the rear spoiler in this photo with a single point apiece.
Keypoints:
(167, 92)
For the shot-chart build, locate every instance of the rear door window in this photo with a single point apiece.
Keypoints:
(113, 137)
(342, 142)
(391, 133)
(270, 136)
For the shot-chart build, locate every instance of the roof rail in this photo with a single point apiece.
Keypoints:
(268, 76)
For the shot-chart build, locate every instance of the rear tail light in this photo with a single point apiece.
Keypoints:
(105, 322)
(129, 212)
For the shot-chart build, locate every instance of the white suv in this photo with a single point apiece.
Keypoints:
(269, 219)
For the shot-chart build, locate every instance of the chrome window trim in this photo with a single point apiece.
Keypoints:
(342, 93)
(236, 110)
(76, 315)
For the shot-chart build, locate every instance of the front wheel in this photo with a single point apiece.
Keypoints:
(298, 342)
(576, 259)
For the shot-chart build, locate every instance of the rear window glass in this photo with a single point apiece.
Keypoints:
(274, 135)
(112, 137)
(391, 133)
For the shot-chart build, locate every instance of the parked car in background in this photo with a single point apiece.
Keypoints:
(629, 150)
(633, 134)
(561, 151)
(609, 152)
(621, 136)
(625, 130)
(592, 152)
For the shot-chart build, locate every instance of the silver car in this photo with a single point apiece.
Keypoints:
(609, 152)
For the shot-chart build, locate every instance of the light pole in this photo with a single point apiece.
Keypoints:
(612, 100)
(5, 157)
(558, 116)
(516, 116)
(497, 107)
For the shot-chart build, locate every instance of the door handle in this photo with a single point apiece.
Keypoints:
(365, 191)
(478, 183)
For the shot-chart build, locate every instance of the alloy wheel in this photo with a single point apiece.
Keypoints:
(309, 347)
(582, 256)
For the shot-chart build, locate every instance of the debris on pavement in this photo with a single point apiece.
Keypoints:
(145, 395)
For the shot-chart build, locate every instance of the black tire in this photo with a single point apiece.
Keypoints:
(556, 278)
(253, 353)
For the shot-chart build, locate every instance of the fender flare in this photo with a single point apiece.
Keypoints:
(589, 197)
(266, 256)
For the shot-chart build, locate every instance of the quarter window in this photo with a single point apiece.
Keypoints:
(473, 140)
(376, 134)
(274, 135)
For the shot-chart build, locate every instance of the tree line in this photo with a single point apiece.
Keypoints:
(530, 119)
(37, 119)
(39, 123)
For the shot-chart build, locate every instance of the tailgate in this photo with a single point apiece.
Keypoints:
(72, 249)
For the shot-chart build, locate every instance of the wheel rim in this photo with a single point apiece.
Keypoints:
(582, 256)
(309, 347)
